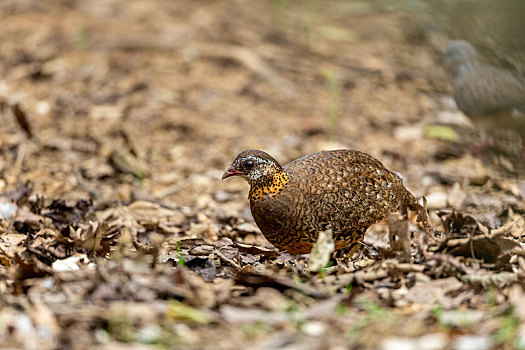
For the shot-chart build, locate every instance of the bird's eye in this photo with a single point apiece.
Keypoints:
(249, 164)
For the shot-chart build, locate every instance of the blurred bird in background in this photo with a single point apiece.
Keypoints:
(492, 97)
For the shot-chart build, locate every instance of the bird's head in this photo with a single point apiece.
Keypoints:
(253, 166)
(457, 53)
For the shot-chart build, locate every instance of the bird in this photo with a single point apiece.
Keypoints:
(492, 97)
(345, 191)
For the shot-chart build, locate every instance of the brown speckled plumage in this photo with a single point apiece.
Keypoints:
(345, 191)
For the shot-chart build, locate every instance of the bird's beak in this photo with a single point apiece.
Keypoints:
(231, 172)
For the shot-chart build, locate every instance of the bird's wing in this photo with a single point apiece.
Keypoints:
(487, 90)
(348, 184)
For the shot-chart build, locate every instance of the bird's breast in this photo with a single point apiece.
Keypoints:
(269, 188)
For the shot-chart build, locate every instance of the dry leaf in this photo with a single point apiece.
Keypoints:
(321, 251)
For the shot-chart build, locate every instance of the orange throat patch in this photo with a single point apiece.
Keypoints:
(273, 185)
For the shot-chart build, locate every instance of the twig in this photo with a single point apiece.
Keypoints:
(227, 260)
(369, 276)
(493, 234)
(20, 156)
(420, 242)
(424, 219)
(521, 263)
(399, 235)
(403, 267)
(451, 260)
(503, 229)
(254, 278)
(471, 245)
(375, 273)
(499, 280)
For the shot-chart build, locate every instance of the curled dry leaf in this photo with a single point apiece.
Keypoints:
(468, 237)
(124, 161)
(28, 219)
(64, 215)
(95, 238)
(321, 251)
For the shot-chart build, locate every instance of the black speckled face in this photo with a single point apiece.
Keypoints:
(253, 166)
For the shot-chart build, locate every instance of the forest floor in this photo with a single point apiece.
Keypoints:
(117, 120)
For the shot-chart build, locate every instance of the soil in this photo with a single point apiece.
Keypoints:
(118, 119)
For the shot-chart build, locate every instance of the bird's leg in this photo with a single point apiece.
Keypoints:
(480, 146)
(370, 251)
(355, 245)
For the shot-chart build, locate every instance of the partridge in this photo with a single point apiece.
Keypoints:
(345, 191)
(493, 98)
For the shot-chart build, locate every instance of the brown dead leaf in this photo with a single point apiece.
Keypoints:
(234, 314)
(469, 238)
(516, 298)
(10, 245)
(124, 161)
(20, 195)
(266, 298)
(27, 265)
(434, 292)
(256, 250)
(399, 236)
(27, 218)
(21, 119)
(45, 320)
(96, 238)
(203, 228)
(257, 278)
(489, 280)
(64, 215)
(321, 251)
(150, 213)
(194, 288)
